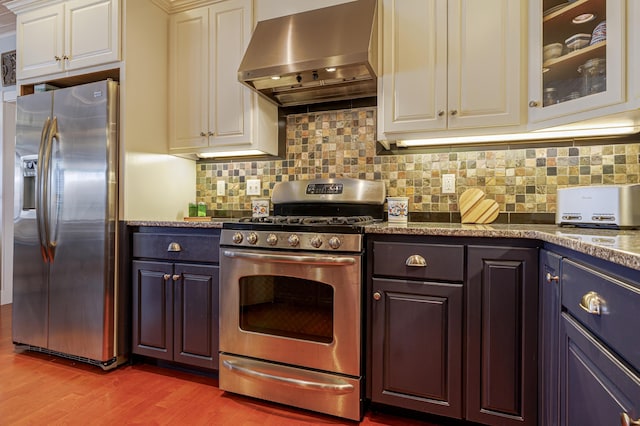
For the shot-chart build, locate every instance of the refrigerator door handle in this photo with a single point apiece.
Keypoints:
(46, 196)
(41, 211)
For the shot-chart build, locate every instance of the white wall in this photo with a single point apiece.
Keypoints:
(7, 153)
(155, 185)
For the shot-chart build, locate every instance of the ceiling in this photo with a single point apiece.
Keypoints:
(7, 19)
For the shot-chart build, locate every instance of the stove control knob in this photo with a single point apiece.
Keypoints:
(316, 241)
(294, 240)
(334, 242)
(272, 239)
(252, 238)
(237, 238)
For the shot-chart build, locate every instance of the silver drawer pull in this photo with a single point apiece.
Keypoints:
(593, 303)
(551, 278)
(174, 247)
(625, 420)
(416, 260)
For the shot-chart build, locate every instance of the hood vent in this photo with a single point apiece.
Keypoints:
(323, 55)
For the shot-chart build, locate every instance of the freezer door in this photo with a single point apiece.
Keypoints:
(30, 272)
(82, 221)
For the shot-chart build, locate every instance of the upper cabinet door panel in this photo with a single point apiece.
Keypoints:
(484, 66)
(92, 32)
(559, 92)
(230, 100)
(189, 79)
(40, 41)
(415, 64)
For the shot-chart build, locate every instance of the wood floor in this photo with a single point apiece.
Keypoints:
(38, 389)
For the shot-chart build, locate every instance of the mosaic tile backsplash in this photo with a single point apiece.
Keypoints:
(343, 144)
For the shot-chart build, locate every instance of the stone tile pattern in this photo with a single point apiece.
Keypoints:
(343, 144)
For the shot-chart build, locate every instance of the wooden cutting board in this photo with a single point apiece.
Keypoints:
(474, 208)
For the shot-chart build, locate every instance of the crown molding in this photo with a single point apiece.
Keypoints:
(19, 6)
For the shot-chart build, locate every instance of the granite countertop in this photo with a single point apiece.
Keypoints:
(621, 247)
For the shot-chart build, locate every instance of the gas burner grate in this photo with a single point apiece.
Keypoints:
(310, 220)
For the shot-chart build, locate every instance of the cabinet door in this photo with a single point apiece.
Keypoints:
(196, 315)
(572, 94)
(414, 80)
(40, 41)
(152, 309)
(417, 346)
(485, 66)
(596, 388)
(229, 100)
(92, 32)
(188, 79)
(501, 356)
(549, 340)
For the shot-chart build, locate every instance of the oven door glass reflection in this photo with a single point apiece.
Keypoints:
(287, 306)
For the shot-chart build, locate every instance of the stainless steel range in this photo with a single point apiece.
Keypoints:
(291, 295)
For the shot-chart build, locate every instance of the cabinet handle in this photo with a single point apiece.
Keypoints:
(377, 295)
(65, 57)
(454, 112)
(203, 134)
(625, 420)
(440, 113)
(416, 260)
(593, 303)
(533, 104)
(57, 58)
(210, 133)
(174, 247)
(552, 277)
(166, 277)
(175, 277)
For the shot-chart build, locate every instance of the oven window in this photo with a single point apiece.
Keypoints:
(287, 306)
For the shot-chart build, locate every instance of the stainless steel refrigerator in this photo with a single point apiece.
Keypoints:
(66, 297)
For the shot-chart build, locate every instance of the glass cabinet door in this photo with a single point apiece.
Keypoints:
(577, 58)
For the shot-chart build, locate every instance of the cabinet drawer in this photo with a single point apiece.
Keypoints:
(596, 388)
(197, 248)
(443, 262)
(619, 303)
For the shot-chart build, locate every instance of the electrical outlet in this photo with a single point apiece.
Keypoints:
(449, 183)
(220, 187)
(253, 186)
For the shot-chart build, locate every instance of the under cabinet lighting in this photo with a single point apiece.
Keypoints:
(331, 69)
(514, 137)
(275, 77)
(230, 153)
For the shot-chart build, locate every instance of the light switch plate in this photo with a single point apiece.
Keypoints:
(253, 186)
(220, 187)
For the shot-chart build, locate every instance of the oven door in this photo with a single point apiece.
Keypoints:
(292, 308)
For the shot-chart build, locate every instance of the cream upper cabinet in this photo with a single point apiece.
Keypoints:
(580, 80)
(450, 65)
(67, 36)
(209, 109)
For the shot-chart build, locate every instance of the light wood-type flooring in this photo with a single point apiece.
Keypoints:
(38, 389)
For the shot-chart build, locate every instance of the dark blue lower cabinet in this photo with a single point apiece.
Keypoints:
(502, 335)
(417, 340)
(549, 338)
(596, 388)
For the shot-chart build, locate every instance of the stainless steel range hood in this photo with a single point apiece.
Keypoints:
(322, 55)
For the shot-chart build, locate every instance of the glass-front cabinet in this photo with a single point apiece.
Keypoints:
(577, 61)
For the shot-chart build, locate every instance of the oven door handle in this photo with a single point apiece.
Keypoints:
(337, 388)
(288, 258)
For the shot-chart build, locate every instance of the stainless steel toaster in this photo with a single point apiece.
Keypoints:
(603, 206)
